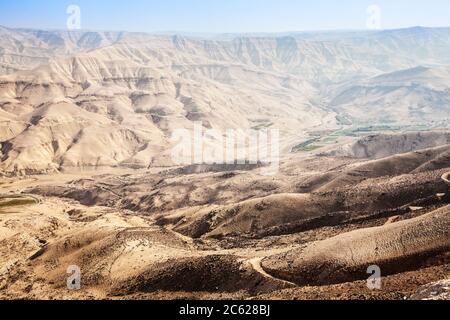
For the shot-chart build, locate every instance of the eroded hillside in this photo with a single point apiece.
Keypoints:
(82, 100)
(311, 232)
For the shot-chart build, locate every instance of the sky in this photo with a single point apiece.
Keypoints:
(227, 16)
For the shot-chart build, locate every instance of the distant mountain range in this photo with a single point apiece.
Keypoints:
(88, 99)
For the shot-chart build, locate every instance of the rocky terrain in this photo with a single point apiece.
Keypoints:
(163, 234)
(99, 99)
(88, 181)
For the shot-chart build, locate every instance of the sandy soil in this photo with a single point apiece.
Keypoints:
(166, 234)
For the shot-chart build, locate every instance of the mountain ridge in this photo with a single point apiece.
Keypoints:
(153, 85)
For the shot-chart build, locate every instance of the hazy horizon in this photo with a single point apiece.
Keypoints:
(224, 17)
(200, 33)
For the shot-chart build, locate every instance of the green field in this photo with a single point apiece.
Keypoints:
(318, 140)
(343, 121)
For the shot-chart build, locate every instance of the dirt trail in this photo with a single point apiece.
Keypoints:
(256, 265)
(445, 177)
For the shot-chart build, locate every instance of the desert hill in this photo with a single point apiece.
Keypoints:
(419, 94)
(25, 49)
(310, 232)
(244, 203)
(143, 87)
(87, 176)
(344, 258)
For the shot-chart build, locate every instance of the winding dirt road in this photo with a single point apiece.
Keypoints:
(446, 177)
(256, 265)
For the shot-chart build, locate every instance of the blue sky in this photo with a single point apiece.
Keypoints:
(219, 16)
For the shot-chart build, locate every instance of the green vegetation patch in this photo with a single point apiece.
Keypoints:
(307, 146)
(343, 121)
(330, 140)
(310, 148)
(262, 126)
